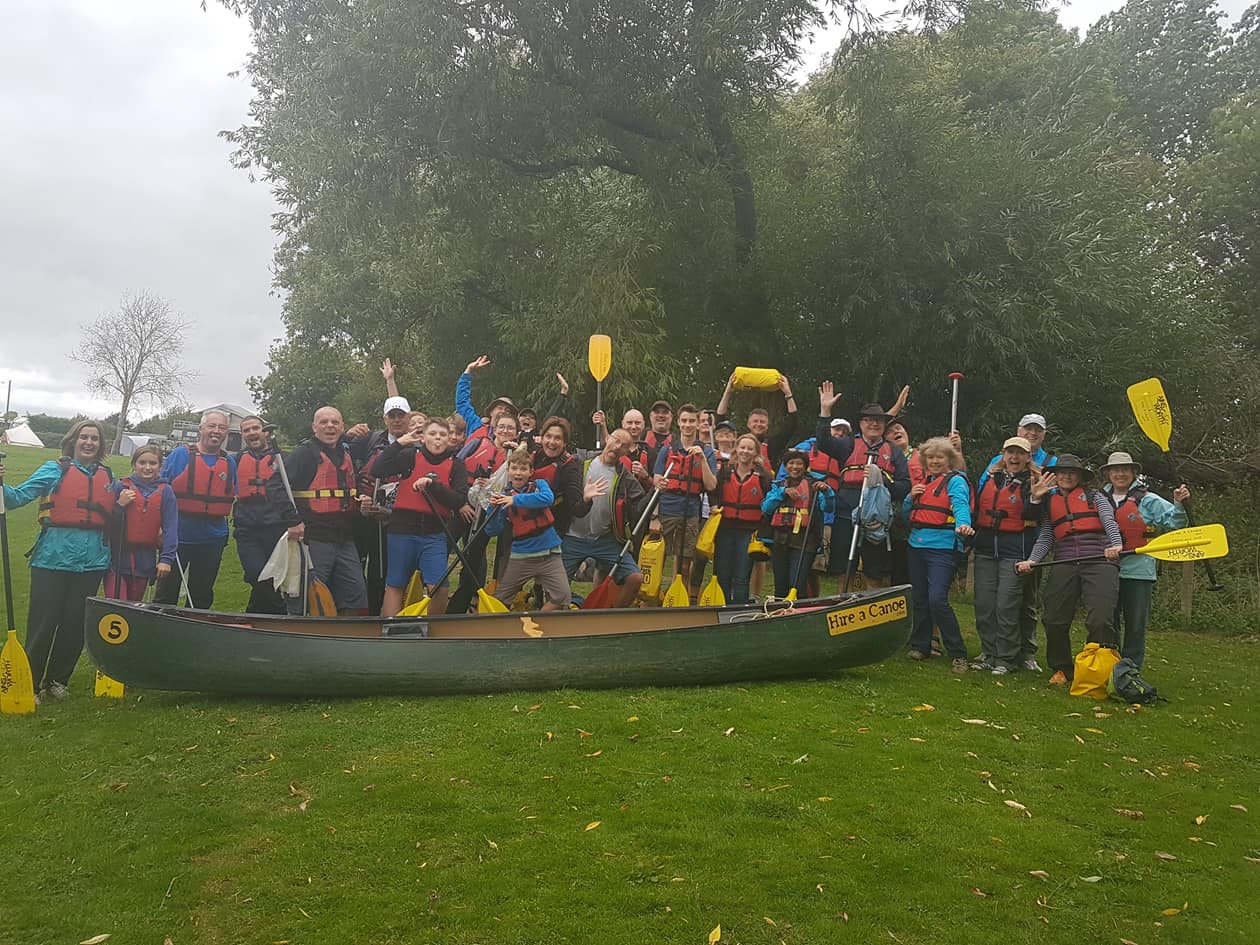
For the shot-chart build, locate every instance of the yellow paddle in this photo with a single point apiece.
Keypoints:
(677, 595)
(485, 603)
(599, 360)
(712, 595)
(1154, 415)
(415, 590)
(1185, 544)
(17, 687)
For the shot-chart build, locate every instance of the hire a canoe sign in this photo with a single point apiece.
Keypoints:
(867, 614)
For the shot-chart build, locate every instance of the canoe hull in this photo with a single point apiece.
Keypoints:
(159, 649)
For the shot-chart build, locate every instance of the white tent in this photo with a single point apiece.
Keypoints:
(20, 434)
(132, 442)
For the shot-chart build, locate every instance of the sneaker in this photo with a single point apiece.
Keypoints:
(58, 690)
(917, 655)
(981, 664)
(959, 666)
(1032, 665)
(999, 671)
(1059, 678)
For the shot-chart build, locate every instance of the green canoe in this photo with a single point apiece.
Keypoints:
(158, 647)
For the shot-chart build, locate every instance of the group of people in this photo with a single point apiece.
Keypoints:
(378, 511)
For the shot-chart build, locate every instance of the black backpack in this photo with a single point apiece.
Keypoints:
(1127, 685)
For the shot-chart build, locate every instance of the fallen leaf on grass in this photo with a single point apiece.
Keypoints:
(1079, 739)
(1096, 731)
(1131, 814)
(303, 805)
(1192, 765)
(801, 760)
(715, 934)
(819, 887)
(592, 825)
(1102, 715)
(1127, 941)
(535, 707)
(729, 730)
(550, 736)
(369, 787)
(979, 893)
(921, 741)
(1201, 820)
(95, 939)
(1016, 805)
(595, 754)
(1040, 874)
(1091, 879)
(770, 921)
(1173, 910)
(1252, 859)
(633, 718)
(924, 708)
(1238, 807)
(1164, 856)
(493, 845)
(583, 733)
(974, 722)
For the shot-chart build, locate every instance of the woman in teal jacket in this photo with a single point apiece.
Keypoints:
(70, 555)
(1140, 514)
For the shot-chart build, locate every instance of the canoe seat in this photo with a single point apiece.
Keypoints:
(410, 628)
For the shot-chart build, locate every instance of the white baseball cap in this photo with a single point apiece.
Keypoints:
(396, 403)
(1032, 419)
(841, 422)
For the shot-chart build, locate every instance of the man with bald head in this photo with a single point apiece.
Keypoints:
(203, 478)
(321, 474)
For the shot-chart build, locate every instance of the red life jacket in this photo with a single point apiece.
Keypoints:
(638, 454)
(144, 517)
(655, 440)
(932, 508)
(202, 489)
(526, 523)
(252, 473)
(1000, 507)
(740, 500)
(686, 476)
(765, 452)
(408, 498)
(1133, 527)
(854, 467)
(825, 465)
(795, 509)
(79, 500)
(546, 468)
(484, 459)
(1073, 514)
(917, 475)
(332, 488)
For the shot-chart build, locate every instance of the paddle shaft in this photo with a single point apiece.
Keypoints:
(288, 491)
(1050, 564)
(809, 523)
(853, 544)
(459, 555)
(953, 408)
(652, 502)
(599, 406)
(1213, 583)
(4, 552)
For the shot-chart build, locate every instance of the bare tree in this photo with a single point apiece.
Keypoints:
(134, 354)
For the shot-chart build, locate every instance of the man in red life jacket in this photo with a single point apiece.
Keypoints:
(852, 454)
(322, 476)
(772, 444)
(693, 473)
(258, 525)
(203, 479)
(660, 423)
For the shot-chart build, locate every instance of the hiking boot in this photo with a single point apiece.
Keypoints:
(58, 690)
(1000, 671)
(1032, 665)
(1059, 678)
(959, 666)
(917, 655)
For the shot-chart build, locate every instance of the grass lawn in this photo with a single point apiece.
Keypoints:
(872, 807)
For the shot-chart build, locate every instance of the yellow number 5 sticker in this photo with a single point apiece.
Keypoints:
(113, 628)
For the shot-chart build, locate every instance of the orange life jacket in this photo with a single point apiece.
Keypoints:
(740, 499)
(526, 523)
(637, 454)
(143, 517)
(1000, 507)
(686, 476)
(854, 468)
(484, 459)
(932, 508)
(79, 500)
(408, 498)
(252, 473)
(655, 440)
(548, 469)
(331, 489)
(795, 509)
(825, 465)
(1133, 527)
(202, 489)
(1073, 514)
(915, 466)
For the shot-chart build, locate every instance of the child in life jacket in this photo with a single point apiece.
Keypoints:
(1141, 515)
(1076, 523)
(526, 509)
(144, 534)
(796, 505)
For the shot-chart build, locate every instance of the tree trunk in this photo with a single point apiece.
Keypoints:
(122, 422)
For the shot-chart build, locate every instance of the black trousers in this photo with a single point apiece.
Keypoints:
(54, 622)
(202, 562)
(254, 546)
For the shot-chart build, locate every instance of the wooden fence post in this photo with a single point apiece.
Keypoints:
(1187, 593)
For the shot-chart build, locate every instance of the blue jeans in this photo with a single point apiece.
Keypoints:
(606, 550)
(731, 563)
(931, 573)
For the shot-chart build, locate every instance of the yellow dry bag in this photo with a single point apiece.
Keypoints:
(1093, 670)
(651, 563)
(707, 537)
(756, 378)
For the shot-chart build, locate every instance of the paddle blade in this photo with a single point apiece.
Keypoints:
(418, 609)
(676, 596)
(108, 688)
(791, 595)
(599, 356)
(415, 590)
(1152, 412)
(319, 600)
(17, 687)
(712, 595)
(489, 605)
(1188, 544)
(600, 598)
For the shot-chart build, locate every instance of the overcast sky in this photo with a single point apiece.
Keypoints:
(115, 179)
